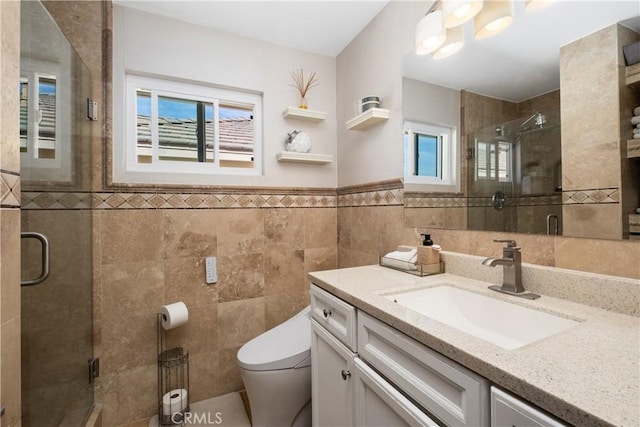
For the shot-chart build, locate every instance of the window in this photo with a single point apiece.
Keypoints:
(45, 109)
(430, 157)
(493, 161)
(187, 129)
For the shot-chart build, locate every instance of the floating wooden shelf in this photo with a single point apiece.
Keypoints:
(369, 118)
(293, 157)
(302, 114)
(633, 75)
(633, 148)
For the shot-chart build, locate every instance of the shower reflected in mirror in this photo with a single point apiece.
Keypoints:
(515, 174)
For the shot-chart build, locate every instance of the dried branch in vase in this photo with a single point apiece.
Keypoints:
(303, 86)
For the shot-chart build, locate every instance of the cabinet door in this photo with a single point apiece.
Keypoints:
(378, 403)
(508, 411)
(449, 391)
(331, 380)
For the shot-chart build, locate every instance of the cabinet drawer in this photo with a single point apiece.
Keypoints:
(508, 411)
(445, 389)
(335, 315)
(379, 403)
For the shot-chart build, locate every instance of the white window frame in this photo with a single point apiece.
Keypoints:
(448, 181)
(58, 169)
(494, 160)
(126, 168)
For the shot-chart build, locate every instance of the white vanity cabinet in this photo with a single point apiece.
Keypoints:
(333, 345)
(348, 389)
(332, 381)
(378, 403)
(509, 411)
(447, 390)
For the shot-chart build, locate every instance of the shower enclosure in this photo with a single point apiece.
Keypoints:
(55, 143)
(515, 175)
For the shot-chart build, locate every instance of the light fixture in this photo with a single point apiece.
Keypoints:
(430, 34)
(495, 16)
(453, 43)
(457, 12)
(530, 5)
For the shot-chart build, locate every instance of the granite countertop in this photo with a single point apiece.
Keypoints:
(588, 375)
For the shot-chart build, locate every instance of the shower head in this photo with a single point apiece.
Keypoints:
(538, 119)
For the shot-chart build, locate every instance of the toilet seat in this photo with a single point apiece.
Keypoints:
(286, 346)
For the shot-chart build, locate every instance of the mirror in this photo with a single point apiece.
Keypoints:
(528, 162)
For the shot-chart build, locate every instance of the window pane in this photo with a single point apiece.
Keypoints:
(504, 163)
(493, 161)
(24, 105)
(236, 136)
(426, 155)
(47, 118)
(177, 126)
(481, 160)
(143, 125)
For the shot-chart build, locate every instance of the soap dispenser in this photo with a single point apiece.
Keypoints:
(428, 253)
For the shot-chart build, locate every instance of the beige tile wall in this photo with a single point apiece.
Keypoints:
(365, 233)
(148, 258)
(595, 90)
(9, 216)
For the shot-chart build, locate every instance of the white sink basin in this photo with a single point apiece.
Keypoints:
(506, 325)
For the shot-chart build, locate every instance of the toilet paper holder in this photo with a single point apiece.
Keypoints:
(173, 381)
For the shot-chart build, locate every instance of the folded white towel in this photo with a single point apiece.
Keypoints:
(636, 111)
(636, 130)
(635, 120)
(407, 256)
(404, 260)
(402, 265)
(636, 136)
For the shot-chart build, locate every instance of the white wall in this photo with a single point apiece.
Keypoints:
(147, 43)
(372, 65)
(428, 103)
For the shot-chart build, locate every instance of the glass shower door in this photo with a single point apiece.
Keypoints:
(55, 143)
(515, 176)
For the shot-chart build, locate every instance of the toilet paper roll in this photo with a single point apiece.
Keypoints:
(174, 315)
(175, 401)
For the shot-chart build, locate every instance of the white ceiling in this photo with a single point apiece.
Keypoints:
(522, 61)
(517, 64)
(324, 27)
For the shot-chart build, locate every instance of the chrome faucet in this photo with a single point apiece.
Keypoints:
(511, 263)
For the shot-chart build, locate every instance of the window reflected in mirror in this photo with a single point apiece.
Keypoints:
(38, 115)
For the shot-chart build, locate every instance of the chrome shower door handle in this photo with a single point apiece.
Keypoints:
(44, 272)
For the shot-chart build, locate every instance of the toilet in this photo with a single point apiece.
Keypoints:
(276, 371)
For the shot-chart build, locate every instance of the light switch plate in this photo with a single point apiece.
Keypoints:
(211, 275)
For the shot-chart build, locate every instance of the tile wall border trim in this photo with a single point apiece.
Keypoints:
(379, 193)
(168, 200)
(10, 193)
(382, 193)
(474, 202)
(591, 196)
